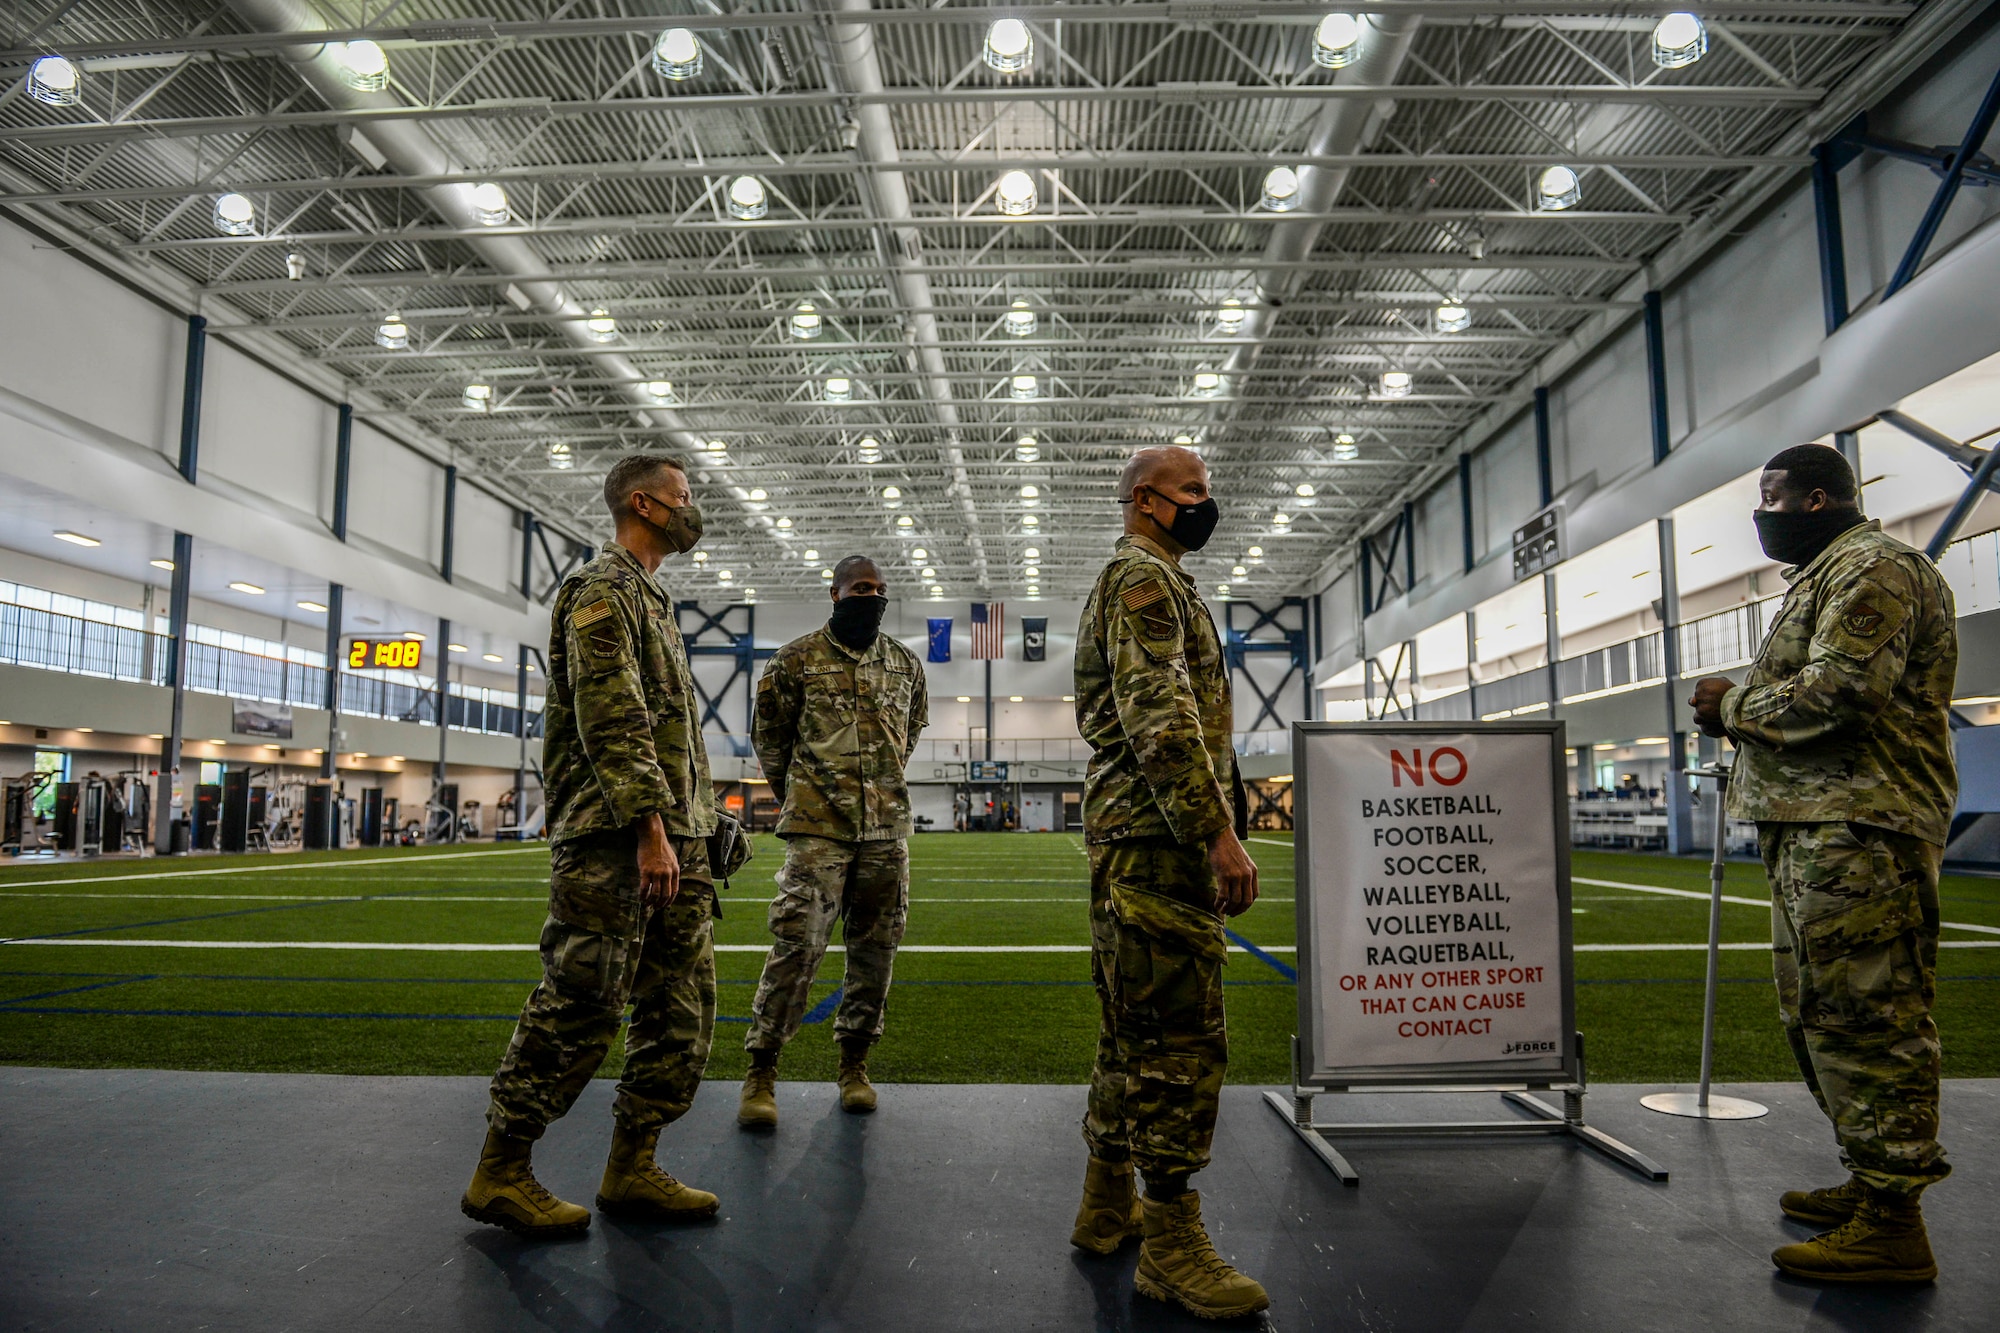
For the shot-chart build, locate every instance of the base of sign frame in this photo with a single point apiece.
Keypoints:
(1548, 1120)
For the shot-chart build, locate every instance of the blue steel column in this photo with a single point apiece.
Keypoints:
(521, 731)
(1680, 800)
(1545, 469)
(1465, 509)
(1656, 376)
(177, 604)
(1832, 245)
(450, 521)
(527, 557)
(443, 669)
(1545, 466)
(1947, 190)
(343, 461)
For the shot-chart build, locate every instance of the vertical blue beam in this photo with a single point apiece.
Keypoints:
(443, 669)
(527, 558)
(1367, 578)
(1409, 547)
(1656, 376)
(343, 463)
(177, 604)
(521, 731)
(450, 520)
(1947, 190)
(1545, 467)
(1832, 245)
(335, 619)
(1465, 508)
(1680, 801)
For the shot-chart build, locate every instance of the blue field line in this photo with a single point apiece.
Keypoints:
(1285, 970)
(822, 1011)
(72, 990)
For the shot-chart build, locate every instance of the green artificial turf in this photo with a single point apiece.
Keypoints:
(967, 1017)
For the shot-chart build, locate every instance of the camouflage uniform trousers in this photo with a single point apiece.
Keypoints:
(1854, 931)
(602, 949)
(1157, 953)
(864, 885)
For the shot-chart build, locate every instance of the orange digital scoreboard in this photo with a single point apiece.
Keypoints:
(401, 654)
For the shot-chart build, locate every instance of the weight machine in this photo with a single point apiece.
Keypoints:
(20, 829)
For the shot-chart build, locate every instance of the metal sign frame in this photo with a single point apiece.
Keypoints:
(1564, 1073)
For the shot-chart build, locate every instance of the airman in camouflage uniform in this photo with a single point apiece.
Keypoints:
(1843, 758)
(838, 713)
(630, 894)
(1162, 814)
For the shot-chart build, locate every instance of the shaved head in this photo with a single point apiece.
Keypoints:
(1158, 468)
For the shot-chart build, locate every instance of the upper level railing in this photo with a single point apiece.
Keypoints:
(44, 639)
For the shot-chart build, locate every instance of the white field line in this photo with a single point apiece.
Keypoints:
(268, 870)
(1270, 842)
(399, 947)
(1764, 903)
(425, 947)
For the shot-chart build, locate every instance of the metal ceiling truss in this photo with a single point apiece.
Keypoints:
(879, 134)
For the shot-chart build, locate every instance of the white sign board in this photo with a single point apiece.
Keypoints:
(1433, 901)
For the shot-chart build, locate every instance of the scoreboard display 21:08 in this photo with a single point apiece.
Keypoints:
(401, 654)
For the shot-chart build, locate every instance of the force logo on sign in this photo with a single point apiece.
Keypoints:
(1434, 903)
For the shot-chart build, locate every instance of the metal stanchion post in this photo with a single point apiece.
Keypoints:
(1701, 1105)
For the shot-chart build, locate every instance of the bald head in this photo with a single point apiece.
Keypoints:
(1161, 467)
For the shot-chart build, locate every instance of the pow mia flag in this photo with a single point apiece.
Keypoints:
(1034, 638)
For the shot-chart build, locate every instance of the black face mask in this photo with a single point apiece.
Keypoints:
(1194, 524)
(856, 621)
(1795, 537)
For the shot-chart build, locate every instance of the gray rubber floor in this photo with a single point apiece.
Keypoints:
(146, 1200)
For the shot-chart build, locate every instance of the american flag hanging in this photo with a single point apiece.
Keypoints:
(989, 620)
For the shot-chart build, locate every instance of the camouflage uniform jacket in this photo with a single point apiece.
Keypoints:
(834, 731)
(1845, 713)
(621, 730)
(1152, 699)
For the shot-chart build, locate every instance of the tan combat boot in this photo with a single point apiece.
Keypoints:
(635, 1187)
(505, 1193)
(1884, 1241)
(1178, 1263)
(857, 1094)
(1823, 1207)
(759, 1107)
(1110, 1214)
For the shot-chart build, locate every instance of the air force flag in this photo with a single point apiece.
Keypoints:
(940, 639)
(1034, 638)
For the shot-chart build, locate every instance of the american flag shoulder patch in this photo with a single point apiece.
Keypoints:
(1141, 596)
(590, 615)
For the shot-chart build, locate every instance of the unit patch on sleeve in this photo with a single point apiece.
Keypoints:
(590, 615)
(1862, 620)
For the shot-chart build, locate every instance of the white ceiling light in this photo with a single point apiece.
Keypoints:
(1396, 383)
(1679, 39)
(1281, 518)
(920, 554)
(602, 327)
(76, 539)
(806, 321)
(55, 81)
(1336, 41)
(758, 495)
(1024, 388)
(892, 496)
(717, 448)
(1030, 521)
(811, 556)
(701, 557)
(1021, 318)
(392, 333)
(747, 201)
(477, 397)
(660, 391)
(167, 565)
(363, 65)
(1451, 317)
(936, 592)
(1222, 591)
(489, 201)
(677, 55)
(560, 457)
(319, 609)
(250, 589)
(1345, 450)
(1034, 590)
(1009, 46)
(493, 657)
(1255, 555)
(1032, 553)
(1184, 441)
(1239, 571)
(1015, 194)
(749, 594)
(1557, 189)
(1304, 490)
(235, 215)
(927, 573)
(905, 521)
(1281, 189)
(1031, 496)
(826, 573)
(839, 389)
(784, 523)
(1230, 317)
(1032, 571)
(1207, 384)
(1026, 450)
(869, 450)
(725, 575)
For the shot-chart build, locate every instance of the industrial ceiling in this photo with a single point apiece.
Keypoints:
(1018, 274)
